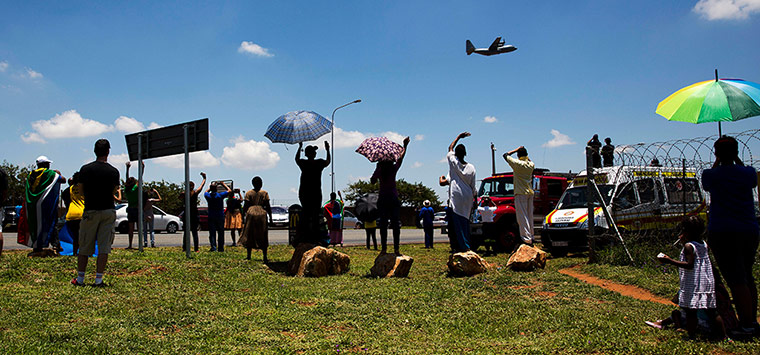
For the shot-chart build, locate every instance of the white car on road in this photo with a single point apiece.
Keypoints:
(162, 221)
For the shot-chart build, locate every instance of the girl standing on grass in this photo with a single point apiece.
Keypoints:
(697, 291)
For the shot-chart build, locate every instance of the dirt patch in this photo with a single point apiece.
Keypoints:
(625, 290)
(521, 287)
(546, 294)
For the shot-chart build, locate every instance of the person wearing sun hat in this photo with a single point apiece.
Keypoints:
(426, 214)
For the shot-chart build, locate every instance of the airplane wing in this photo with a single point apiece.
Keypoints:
(495, 45)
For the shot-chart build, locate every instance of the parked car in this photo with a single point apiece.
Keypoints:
(439, 220)
(280, 217)
(10, 218)
(350, 221)
(162, 221)
(202, 218)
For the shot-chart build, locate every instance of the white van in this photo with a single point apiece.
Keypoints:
(640, 198)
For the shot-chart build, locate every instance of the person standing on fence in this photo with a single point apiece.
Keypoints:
(148, 217)
(194, 220)
(523, 177)
(426, 214)
(733, 231)
(233, 218)
(99, 181)
(595, 144)
(310, 190)
(462, 192)
(215, 202)
(608, 153)
(388, 204)
(256, 232)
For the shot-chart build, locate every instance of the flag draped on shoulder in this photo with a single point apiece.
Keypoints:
(43, 188)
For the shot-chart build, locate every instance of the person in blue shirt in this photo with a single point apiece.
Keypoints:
(426, 214)
(733, 232)
(215, 202)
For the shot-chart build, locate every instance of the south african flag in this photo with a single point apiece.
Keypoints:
(43, 188)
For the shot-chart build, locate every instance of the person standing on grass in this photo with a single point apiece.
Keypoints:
(73, 198)
(233, 218)
(194, 220)
(99, 181)
(733, 230)
(426, 214)
(462, 192)
(3, 197)
(333, 212)
(310, 190)
(215, 202)
(256, 232)
(522, 169)
(131, 192)
(388, 204)
(42, 191)
(148, 217)
(697, 291)
(369, 229)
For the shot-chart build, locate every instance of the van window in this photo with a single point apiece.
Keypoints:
(626, 198)
(575, 197)
(682, 191)
(647, 190)
(554, 188)
(501, 187)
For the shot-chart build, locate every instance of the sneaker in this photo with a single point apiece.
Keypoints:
(152, 245)
(75, 283)
(656, 325)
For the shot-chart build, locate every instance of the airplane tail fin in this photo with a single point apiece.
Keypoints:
(470, 47)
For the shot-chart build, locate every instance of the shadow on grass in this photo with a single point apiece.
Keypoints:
(280, 267)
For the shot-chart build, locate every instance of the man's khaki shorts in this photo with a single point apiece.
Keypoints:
(96, 226)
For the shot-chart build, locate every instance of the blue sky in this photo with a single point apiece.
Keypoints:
(72, 72)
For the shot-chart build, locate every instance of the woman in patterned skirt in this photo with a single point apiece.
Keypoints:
(256, 206)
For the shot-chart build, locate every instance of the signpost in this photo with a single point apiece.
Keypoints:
(180, 138)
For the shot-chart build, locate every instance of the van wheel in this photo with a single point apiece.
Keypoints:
(123, 227)
(172, 227)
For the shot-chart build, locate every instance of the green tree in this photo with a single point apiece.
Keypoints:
(16, 179)
(410, 194)
(170, 192)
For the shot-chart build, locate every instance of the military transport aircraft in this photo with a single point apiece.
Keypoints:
(497, 47)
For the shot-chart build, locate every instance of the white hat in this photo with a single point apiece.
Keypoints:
(43, 159)
(426, 203)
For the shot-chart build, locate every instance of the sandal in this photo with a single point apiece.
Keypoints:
(656, 325)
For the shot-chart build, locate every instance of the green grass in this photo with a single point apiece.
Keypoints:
(159, 302)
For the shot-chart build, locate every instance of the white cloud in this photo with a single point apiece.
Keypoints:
(154, 125)
(444, 160)
(393, 136)
(255, 49)
(69, 124)
(32, 137)
(727, 9)
(352, 179)
(118, 160)
(3, 66)
(417, 165)
(490, 119)
(128, 124)
(558, 140)
(202, 159)
(33, 74)
(352, 139)
(419, 137)
(249, 155)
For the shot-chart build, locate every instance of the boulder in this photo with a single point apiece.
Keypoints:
(316, 261)
(527, 258)
(466, 264)
(391, 265)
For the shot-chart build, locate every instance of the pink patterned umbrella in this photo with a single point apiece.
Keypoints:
(380, 148)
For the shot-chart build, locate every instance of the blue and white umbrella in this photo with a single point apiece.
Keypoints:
(298, 126)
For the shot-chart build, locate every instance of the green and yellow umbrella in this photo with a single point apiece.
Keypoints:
(716, 100)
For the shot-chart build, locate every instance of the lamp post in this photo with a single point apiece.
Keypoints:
(332, 142)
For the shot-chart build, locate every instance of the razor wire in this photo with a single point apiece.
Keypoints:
(668, 158)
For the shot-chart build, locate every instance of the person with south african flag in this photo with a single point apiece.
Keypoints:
(42, 190)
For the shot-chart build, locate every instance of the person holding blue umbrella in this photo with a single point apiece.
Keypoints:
(310, 188)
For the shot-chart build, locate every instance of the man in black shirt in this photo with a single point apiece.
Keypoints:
(310, 192)
(99, 181)
(194, 219)
(3, 196)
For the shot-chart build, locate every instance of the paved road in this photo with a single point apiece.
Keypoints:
(277, 236)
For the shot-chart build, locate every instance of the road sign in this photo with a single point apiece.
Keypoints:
(169, 140)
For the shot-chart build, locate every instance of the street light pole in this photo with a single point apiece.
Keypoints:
(332, 142)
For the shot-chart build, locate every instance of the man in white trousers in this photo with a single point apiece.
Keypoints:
(523, 176)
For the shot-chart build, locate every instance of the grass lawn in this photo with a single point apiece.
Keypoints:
(159, 302)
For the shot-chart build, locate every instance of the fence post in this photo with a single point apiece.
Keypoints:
(590, 197)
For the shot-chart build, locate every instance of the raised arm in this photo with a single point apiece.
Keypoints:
(298, 152)
(403, 153)
(117, 194)
(327, 149)
(200, 188)
(460, 136)
(128, 164)
(158, 195)
(226, 187)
